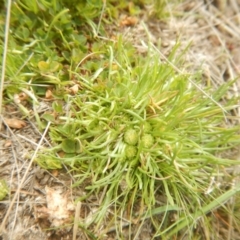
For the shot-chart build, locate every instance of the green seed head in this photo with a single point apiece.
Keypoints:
(130, 151)
(147, 140)
(147, 127)
(131, 137)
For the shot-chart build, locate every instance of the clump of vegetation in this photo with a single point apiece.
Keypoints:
(52, 38)
(130, 125)
(137, 123)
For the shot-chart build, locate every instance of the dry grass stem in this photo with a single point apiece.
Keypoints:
(4, 60)
(76, 220)
(16, 195)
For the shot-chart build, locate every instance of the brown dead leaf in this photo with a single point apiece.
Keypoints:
(19, 98)
(8, 143)
(23, 96)
(41, 213)
(113, 37)
(16, 99)
(48, 94)
(55, 172)
(214, 40)
(128, 21)
(15, 123)
(74, 89)
(60, 208)
(61, 154)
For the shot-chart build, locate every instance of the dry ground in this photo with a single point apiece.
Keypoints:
(214, 34)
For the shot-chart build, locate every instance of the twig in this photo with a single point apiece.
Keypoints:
(76, 220)
(101, 16)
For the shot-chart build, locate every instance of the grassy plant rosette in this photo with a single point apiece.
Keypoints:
(137, 130)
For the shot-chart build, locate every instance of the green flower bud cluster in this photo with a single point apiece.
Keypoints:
(147, 140)
(130, 151)
(132, 138)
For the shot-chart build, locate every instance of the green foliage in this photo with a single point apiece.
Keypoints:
(53, 37)
(137, 122)
(3, 189)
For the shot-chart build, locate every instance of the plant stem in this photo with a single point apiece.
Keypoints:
(4, 56)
